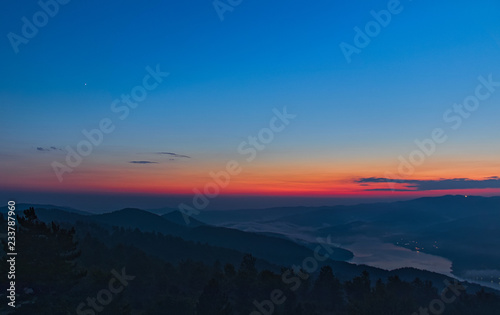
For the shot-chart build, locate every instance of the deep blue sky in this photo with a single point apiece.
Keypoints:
(353, 119)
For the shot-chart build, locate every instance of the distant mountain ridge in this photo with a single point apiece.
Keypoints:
(261, 246)
(454, 213)
(24, 206)
(179, 218)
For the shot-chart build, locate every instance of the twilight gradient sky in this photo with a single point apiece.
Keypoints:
(353, 120)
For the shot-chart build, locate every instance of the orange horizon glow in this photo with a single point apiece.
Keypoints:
(339, 191)
(269, 177)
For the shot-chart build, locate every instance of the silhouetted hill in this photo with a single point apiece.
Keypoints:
(415, 213)
(59, 215)
(261, 246)
(462, 229)
(178, 218)
(140, 219)
(425, 220)
(162, 211)
(277, 250)
(184, 277)
(23, 206)
(215, 217)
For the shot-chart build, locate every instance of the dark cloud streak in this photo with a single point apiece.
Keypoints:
(48, 149)
(174, 155)
(143, 162)
(441, 184)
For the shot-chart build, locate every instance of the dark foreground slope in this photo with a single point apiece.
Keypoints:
(115, 270)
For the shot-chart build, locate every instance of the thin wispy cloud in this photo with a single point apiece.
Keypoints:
(143, 162)
(175, 155)
(424, 185)
(48, 149)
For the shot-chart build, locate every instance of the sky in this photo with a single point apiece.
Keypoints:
(335, 95)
